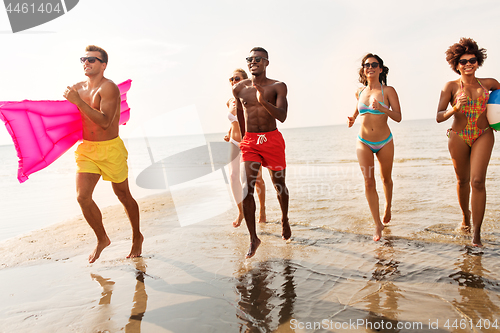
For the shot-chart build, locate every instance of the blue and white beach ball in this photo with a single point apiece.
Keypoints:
(493, 110)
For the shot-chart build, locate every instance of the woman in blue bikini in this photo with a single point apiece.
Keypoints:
(376, 103)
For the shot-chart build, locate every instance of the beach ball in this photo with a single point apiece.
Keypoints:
(493, 110)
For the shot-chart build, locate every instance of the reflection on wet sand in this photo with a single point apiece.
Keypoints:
(105, 310)
(473, 284)
(336, 279)
(107, 288)
(140, 299)
(385, 300)
(267, 288)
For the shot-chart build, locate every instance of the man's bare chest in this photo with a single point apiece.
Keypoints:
(248, 96)
(92, 98)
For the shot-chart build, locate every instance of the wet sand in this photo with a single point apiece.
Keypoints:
(195, 279)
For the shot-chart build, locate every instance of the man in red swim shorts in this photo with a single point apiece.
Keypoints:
(263, 100)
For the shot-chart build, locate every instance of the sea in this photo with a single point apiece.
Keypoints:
(323, 176)
(422, 276)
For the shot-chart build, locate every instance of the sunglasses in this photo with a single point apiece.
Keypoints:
(373, 64)
(235, 79)
(257, 59)
(89, 59)
(464, 62)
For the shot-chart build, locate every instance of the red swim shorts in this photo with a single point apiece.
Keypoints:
(267, 148)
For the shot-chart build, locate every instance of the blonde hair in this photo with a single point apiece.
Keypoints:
(242, 72)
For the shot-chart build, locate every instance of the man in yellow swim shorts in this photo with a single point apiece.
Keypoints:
(102, 152)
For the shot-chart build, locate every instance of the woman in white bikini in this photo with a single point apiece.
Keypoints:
(235, 134)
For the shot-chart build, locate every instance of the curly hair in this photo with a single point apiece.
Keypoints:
(464, 46)
(383, 76)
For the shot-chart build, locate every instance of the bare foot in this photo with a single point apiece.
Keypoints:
(476, 240)
(136, 246)
(253, 248)
(465, 226)
(286, 231)
(262, 215)
(387, 216)
(237, 222)
(101, 245)
(378, 232)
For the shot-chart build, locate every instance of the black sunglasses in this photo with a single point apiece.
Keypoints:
(235, 79)
(257, 59)
(89, 59)
(464, 62)
(373, 64)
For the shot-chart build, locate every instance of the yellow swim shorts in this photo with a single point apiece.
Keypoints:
(106, 158)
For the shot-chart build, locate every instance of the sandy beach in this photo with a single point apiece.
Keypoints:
(423, 276)
(195, 279)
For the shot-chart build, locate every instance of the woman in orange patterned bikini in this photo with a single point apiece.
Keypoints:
(470, 140)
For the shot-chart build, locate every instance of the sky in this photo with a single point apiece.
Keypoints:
(181, 53)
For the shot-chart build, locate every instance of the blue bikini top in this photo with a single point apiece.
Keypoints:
(363, 108)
